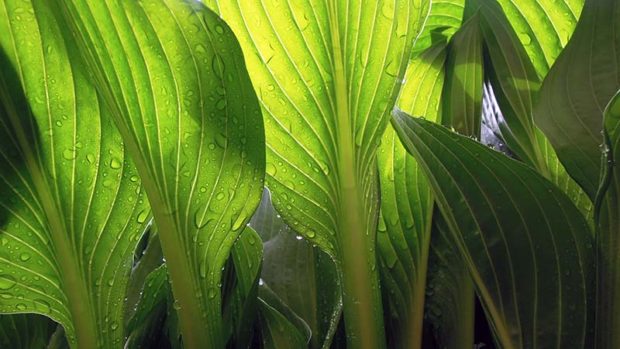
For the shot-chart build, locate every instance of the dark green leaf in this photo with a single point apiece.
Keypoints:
(527, 247)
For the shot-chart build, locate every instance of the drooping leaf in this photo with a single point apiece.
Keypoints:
(527, 247)
(173, 75)
(301, 275)
(327, 74)
(406, 204)
(577, 89)
(71, 205)
(608, 239)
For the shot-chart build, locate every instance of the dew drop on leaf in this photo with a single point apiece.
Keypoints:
(115, 163)
(271, 169)
(24, 257)
(142, 216)
(6, 282)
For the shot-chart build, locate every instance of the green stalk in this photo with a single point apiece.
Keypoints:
(363, 311)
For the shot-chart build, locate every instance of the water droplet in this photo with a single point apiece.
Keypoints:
(211, 292)
(90, 158)
(21, 306)
(134, 178)
(115, 163)
(42, 306)
(114, 326)
(6, 282)
(298, 237)
(220, 195)
(199, 219)
(218, 66)
(142, 216)
(24, 257)
(68, 154)
(238, 223)
(221, 104)
(219, 29)
(525, 38)
(271, 169)
(311, 234)
(324, 167)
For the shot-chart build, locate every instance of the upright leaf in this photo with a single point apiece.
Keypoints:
(443, 20)
(26, 331)
(608, 238)
(577, 89)
(527, 247)
(407, 204)
(327, 74)
(173, 75)
(300, 274)
(71, 206)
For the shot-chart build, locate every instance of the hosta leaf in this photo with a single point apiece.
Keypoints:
(543, 27)
(26, 331)
(301, 275)
(608, 240)
(514, 86)
(327, 74)
(71, 206)
(450, 298)
(150, 307)
(577, 89)
(278, 331)
(462, 96)
(247, 255)
(406, 203)
(527, 247)
(442, 22)
(173, 75)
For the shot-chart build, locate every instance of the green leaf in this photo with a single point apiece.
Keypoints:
(515, 85)
(301, 275)
(543, 27)
(406, 203)
(527, 247)
(71, 206)
(442, 22)
(462, 96)
(242, 306)
(327, 74)
(608, 219)
(577, 89)
(450, 298)
(25, 331)
(173, 75)
(277, 329)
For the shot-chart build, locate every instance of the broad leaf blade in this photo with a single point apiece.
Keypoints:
(327, 74)
(442, 22)
(577, 89)
(173, 75)
(25, 331)
(406, 203)
(543, 27)
(608, 219)
(71, 203)
(300, 274)
(527, 247)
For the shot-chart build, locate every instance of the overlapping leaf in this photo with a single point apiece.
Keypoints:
(327, 74)
(71, 205)
(608, 240)
(577, 89)
(173, 75)
(527, 247)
